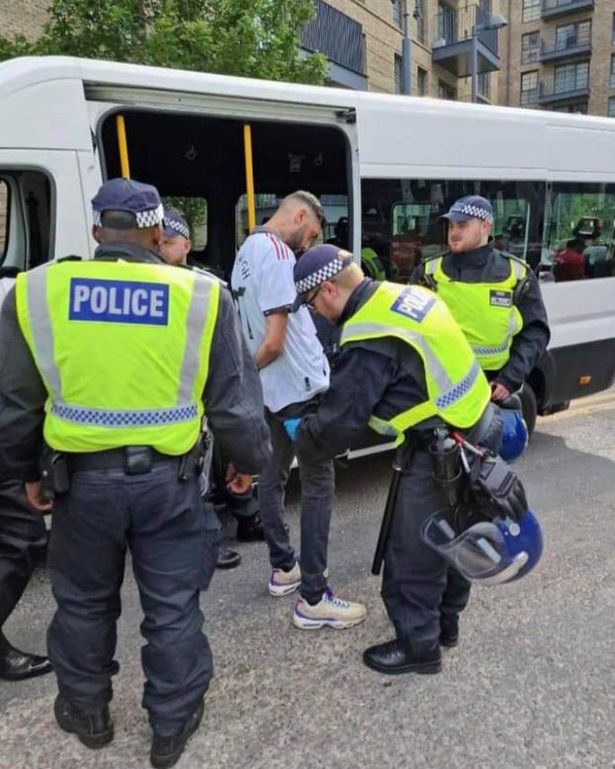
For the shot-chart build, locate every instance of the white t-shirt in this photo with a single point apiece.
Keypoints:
(6, 284)
(262, 282)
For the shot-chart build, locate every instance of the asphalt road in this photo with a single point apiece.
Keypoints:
(531, 685)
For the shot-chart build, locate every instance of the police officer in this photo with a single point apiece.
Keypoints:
(404, 368)
(111, 363)
(23, 540)
(492, 295)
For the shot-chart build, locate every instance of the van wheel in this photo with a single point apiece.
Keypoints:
(528, 407)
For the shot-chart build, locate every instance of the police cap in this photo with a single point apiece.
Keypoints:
(132, 197)
(175, 224)
(470, 207)
(318, 264)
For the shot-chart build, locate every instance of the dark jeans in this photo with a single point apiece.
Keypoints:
(23, 537)
(317, 488)
(419, 586)
(173, 540)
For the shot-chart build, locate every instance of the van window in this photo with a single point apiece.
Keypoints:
(580, 231)
(4, 218)
(401, 218)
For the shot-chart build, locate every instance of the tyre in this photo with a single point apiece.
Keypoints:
(529, 407)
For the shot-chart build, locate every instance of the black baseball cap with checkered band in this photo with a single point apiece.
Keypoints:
(470, 207)
(132, 197)
(318, 264)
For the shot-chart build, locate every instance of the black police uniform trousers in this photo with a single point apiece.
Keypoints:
(173, 539)
(418, 586)
(23, 537)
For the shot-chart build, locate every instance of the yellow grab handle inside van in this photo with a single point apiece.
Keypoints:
(247, 151)
(122, 143)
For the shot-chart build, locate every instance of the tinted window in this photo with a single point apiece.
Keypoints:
(401, 221)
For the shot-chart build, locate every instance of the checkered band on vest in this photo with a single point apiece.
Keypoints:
(322, 274)
(482, 350)
(459, 390)
(476, 212)
(177, 227)
(143, 218)
(119, 418)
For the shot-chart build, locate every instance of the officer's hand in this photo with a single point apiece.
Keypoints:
(34, 494)
(237, 483)
(291, 426)
(499, 392)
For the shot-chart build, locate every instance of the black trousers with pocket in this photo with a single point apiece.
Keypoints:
(173, 539)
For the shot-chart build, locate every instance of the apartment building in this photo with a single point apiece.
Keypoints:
(560, 55)
(363, 41)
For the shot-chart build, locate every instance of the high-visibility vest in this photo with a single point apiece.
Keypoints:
(372, 264)
(123, 349)
(457, 389)
(485, 311)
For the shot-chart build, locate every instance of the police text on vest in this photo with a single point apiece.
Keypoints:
(119, 301)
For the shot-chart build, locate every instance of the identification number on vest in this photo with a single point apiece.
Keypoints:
(119, 301)
(500, 298)
(413, 304)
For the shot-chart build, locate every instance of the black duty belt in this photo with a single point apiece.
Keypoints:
(134, 460)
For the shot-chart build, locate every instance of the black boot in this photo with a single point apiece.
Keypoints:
(93, 729)
(227, 559)
(16, 665)
(394, 657)
(167, 750)
(449, 630)
(250, 529)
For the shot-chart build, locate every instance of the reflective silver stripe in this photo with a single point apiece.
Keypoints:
(449, 398)
(195, 323)
(518, 269)
(41, 330)
(436, 369)
(432, 265)
(87, 415)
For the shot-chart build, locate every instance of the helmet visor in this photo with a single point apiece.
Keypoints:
(480, 553)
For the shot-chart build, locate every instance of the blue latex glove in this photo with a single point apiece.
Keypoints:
(291, 426)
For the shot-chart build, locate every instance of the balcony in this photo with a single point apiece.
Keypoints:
(554, 9)
(569, 93)
(452, 47)
(577, 46)
(341, 40)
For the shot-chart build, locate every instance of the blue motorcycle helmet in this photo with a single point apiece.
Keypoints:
(514, 430)
(486, 552)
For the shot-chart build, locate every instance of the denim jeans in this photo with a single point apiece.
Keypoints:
(317, 489)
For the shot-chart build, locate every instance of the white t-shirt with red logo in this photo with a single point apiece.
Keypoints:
(262, 283)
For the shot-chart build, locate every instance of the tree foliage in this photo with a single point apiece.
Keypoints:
(255, 38)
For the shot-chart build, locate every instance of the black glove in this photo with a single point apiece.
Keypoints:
(496, 489)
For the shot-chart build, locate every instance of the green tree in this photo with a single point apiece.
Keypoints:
(254, 38)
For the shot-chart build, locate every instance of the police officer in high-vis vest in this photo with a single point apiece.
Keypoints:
(113, 364)
(493, 296)
(404, 369)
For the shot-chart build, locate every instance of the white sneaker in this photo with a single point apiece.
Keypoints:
(284, 582)
(329, 611)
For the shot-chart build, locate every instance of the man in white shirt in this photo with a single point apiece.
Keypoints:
(294, 372)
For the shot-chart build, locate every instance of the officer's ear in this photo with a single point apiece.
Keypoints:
(96, 233)
(157, 234)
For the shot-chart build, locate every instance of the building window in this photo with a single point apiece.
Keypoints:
(529, 87)
(531, 10)
(612, 75)
(613, 31)
(484, 85)
(571, 77)
(611, 107)
(530, 47)
(397, 64)
(571, 35)
(421, 81)
(446, 91)
(421, 22)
